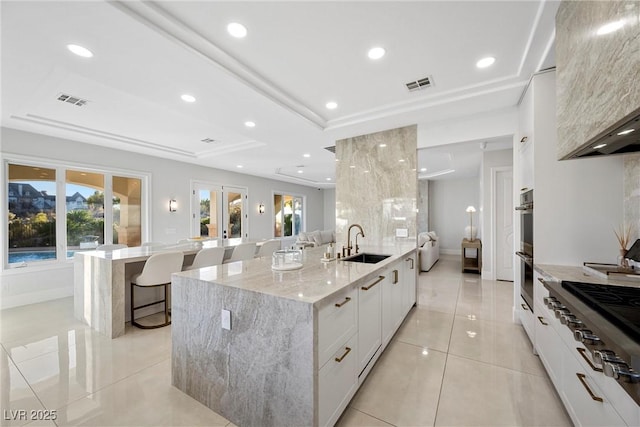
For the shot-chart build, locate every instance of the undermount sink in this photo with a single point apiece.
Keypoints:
(367, 258)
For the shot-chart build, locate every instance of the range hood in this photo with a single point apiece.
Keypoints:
(623, 137)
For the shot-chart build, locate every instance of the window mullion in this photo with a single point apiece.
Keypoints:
(61, 214)
(108, 208)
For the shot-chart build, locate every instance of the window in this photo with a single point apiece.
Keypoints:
(97, 207)
(288, 214)
(32, 214)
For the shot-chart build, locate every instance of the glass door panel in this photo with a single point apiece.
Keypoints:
(84, 210)
(218, 211)
(127, 211)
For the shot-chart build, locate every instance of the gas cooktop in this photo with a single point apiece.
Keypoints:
(618, 304)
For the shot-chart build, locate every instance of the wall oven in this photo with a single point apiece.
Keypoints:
(526, 247)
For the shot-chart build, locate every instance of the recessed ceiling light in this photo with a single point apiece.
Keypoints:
(626, 132)
(376, 52)
(382, 145)
(80, 51)
(486, 62)
(237, 30)
(599, 146)
(300, 171)
(188, 98)
(250, 124)
(239, 166)
(328, 179)
(306, 155)
(610, 27)
(423, 169)
(331, 105)
(401, 160)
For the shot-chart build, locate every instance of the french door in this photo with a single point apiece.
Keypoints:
(218, 211)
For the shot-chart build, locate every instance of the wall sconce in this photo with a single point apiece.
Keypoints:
(261, 208)
(173, 205)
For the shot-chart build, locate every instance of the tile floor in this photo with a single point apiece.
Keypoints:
(457, 360)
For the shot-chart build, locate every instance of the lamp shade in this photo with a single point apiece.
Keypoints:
(471, 209)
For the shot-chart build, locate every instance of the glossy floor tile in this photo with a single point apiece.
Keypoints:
(458, 359)
(478, 370)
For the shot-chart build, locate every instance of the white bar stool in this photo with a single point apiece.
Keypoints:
(243, 251)
(207, 257)
(156, 272)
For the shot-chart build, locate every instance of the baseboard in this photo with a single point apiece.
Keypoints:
(451, 251)
(35, 297)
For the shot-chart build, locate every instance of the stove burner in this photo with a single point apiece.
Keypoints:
(618, 304)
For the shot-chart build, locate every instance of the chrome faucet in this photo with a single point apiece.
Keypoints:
(349, 247)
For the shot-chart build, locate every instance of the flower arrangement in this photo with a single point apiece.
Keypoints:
(624, 237)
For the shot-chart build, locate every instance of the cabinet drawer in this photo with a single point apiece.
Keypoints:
(527, 319)
(585, 401)
(337, 321)
(337, 382)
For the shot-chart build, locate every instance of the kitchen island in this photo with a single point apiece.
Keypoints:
(300, 342)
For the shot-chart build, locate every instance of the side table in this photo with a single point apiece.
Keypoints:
(472, 263)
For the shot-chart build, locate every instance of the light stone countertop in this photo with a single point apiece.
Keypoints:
(559, 273)
(312, 283)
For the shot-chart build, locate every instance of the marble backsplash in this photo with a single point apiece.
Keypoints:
(632, 193)
(376, 185)
(598, 75)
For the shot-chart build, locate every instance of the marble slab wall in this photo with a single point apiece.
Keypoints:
(597, 75)
(423, 206)
(632, 193)
(376, 185)
(259, 373)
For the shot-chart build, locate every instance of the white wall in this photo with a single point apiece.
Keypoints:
(490, 160)
(169, 179)
(329, 209)
(448, 201)
(577, 203)
(486, 125)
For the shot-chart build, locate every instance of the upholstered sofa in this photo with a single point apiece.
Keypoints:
(316, 238)
(428, 250)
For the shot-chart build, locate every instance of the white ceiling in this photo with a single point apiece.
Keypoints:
(296, 57)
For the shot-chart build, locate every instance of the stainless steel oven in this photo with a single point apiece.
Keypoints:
(526, 247)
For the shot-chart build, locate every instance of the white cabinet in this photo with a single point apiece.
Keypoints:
(392, 298)
(527, 319)
(409, 282)
(337, 322)
(337, 382)
(369, 320)
(589, 397)
(584, 401)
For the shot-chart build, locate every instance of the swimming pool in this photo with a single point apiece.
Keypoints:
(30, 256)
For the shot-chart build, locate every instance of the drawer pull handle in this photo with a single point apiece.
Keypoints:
(541, 319)
(582, 352)
(410, 259)
(582, 377)
(347, 350)
(395, 276)
(346, 300)
(366, 288)
(524, 307)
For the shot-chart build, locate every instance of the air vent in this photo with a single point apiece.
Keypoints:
(332, 149)
(72, 99)
(419, 84)
(208, 140)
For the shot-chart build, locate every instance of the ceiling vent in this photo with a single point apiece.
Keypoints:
(419, 84)
(332, 149)
(72, 99)
(208, 140)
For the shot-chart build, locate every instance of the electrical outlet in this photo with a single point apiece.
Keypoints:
(226, 319)
(402, 232)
